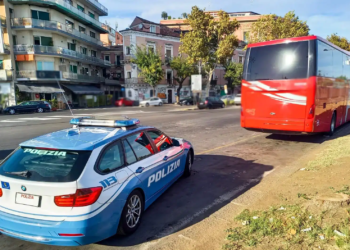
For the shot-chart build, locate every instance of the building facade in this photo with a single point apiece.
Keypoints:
(57, 43)
(156, 37)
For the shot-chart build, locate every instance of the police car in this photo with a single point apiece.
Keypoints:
(84, 184)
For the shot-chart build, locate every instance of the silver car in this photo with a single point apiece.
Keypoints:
(237, 99)
(154, 101)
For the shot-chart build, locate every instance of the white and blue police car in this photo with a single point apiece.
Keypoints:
(84, 184)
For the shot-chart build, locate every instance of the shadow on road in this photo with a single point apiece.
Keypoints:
(315, 138)
(215, 182)
(5, 153)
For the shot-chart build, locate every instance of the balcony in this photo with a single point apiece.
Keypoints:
(6, 75)
(134, 80)
(82, 78)
(38, 75)
(60, 52)
(66, 8)
(101, 10)
(28, 23)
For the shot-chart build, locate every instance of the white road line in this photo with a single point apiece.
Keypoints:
(38, 119)
(11, 121)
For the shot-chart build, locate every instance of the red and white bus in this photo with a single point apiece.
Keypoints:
(295, 85)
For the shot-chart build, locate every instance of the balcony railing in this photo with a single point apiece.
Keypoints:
(134, 80)
(68, 8)
(99, 6)
(38, 74)
(53, 25)
(82, 78)
(59, 51)
(6, 75)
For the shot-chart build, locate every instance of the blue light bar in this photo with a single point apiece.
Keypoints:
(87, 121)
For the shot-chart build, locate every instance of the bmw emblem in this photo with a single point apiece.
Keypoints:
(24, 188)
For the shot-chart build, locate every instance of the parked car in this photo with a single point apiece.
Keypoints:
(237, 99)
(28, 107)
(186, 101)
(211, 102)
(48, 104)
(122, 102)
(227, 98)
(154, 101)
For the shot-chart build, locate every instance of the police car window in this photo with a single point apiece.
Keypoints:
(45, 165)
(130, 157)
(112, 159)
(141, 145)
(161, 141)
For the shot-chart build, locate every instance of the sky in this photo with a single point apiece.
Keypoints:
(324, 17)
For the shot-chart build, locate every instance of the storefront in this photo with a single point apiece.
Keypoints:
(86, 96)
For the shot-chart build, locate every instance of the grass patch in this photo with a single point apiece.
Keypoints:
(287, 226)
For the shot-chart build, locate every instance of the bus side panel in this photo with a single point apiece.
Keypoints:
(311, 98)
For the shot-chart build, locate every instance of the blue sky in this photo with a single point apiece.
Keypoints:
(323, 16)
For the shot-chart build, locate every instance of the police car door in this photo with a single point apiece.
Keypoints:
(142, 160)
(173, 159)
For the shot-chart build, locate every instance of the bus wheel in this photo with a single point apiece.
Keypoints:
(332, 127)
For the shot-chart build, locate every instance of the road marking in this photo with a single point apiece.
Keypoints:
(38, 119)
(11, 121)
(231, 144)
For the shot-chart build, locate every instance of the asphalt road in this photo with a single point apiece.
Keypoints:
(229, 160)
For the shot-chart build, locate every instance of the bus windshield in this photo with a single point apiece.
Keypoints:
(277, 62)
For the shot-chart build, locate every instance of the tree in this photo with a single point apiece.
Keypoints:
(272, 27)
(169, 17)
(150, 65)
(183, 70)
(341, 42)
(233, 74)
(184, 15)
(210, 42)
(164, 15)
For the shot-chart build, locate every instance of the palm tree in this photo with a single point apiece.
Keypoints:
(184, 15)
(164, 15)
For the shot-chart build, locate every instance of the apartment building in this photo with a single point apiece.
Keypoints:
(58, 41)
(156, 37)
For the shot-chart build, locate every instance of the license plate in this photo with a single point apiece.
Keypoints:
(28, 199)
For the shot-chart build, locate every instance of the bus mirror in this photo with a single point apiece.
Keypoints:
(347, 62)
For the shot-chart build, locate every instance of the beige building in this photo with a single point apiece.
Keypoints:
(58, 41)
(155, 37)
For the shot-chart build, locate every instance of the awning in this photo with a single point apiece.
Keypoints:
(39, 88)
(84, 90)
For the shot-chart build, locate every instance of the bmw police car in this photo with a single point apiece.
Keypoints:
(82, 185)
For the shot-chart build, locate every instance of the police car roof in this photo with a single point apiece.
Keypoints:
(86, 138)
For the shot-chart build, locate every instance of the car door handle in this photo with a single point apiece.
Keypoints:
(139, 170)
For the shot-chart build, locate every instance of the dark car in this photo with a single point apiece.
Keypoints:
(28, 107)
(186, 101)
(211, 102)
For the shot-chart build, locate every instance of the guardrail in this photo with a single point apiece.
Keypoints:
(83, 78)
(38, 74)
(98, 5)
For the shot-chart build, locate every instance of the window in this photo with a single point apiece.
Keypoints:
(71, 46)
(81, 8)
(128, 50)
(169, 76)
(240, 59)
(92, 15)
(45, 66)
(153, 29)
(168, 52)
(73, 68)
(92, 34)
(93, 53)
(141, 146)
(151, 48)
(161, 141)
(107, 58)
(130, 157)
(112, 159)
(14, 38)
(69, 24)
(128, 74)
(83, 50)
(84, 71)
(82, 29)
(245, 36)
(45, 165)
(1, 64)
(43, 40)
(280, 61)
(40, 15)
(129, 94)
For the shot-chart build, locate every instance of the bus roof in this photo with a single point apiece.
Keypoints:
(297, 39)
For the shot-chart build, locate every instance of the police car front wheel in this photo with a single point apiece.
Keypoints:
(132, 213)
(189, 162)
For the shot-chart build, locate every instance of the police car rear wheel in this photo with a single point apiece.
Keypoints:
(132, 214)
(188, 167)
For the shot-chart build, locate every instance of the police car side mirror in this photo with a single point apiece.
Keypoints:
(176, 143)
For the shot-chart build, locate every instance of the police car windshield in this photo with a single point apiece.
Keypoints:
(45, 165)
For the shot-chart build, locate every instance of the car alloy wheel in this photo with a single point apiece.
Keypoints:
(12, 111)
(134, 211)
(147, 104)
(223, 106)
(40, 110)
(160, 104)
